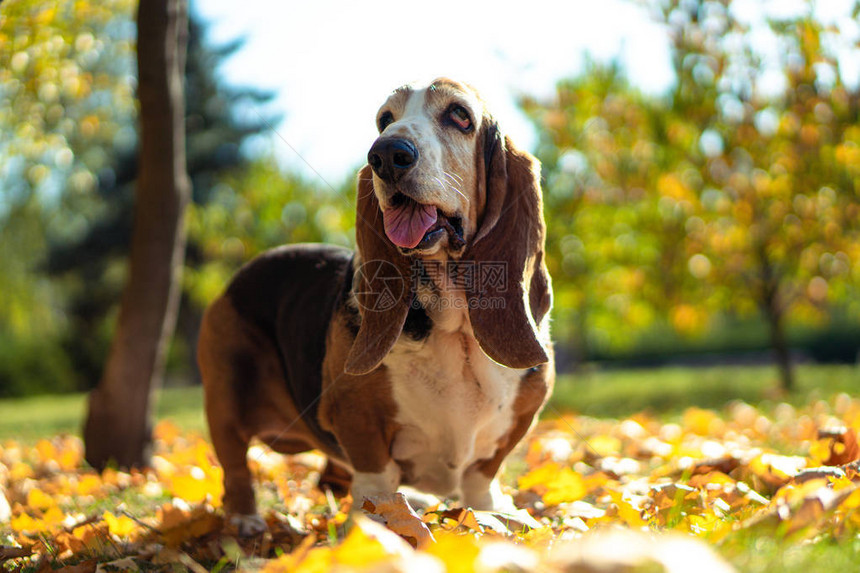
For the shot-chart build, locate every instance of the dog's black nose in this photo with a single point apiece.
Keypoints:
(391, 158)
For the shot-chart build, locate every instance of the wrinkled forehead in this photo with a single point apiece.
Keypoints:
(436, 97)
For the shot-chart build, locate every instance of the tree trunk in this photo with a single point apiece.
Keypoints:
(580, 346)
(780, 349)
(118, 427)
(772, 307)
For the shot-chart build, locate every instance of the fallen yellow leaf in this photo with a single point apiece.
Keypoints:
(37, 499)
(122, 526)
(457, 552)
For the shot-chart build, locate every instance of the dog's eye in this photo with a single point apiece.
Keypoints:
(460, 117)
(385, 120)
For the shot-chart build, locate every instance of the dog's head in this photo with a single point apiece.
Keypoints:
(423, 166)
(443, 183)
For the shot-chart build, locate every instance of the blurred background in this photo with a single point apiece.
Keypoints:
(701, 165)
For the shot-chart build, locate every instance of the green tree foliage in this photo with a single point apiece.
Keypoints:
(67, 100)
(92, 266)
(258, 207)
(68, 164)
(721, 197)
(733, 195)
(613, 235)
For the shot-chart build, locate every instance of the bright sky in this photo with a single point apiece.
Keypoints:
(333, 62)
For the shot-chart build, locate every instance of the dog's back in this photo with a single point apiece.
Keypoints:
(290, 293)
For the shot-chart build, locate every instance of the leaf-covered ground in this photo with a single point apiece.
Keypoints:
(747, 489)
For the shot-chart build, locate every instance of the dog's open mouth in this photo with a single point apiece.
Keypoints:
(413, 225)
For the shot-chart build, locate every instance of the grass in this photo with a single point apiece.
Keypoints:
(597, 393)
(28, 419)
(667, 391)
(759, 553)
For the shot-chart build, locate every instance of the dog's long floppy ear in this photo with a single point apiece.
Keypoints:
(382, 284)
(512, 290)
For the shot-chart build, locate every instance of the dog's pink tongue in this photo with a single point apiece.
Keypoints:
(406, 224)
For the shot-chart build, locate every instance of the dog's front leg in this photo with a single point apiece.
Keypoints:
(484, 492)
(360, 413)
(367, 484)
(480, 485)
(366, 441)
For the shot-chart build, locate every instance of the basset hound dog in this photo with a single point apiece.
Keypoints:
(420, 359)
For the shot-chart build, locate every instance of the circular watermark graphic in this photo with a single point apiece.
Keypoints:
(378, 285)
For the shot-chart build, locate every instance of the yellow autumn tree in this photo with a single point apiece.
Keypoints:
(723, 196)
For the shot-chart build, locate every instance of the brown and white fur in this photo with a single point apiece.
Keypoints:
(431, 387)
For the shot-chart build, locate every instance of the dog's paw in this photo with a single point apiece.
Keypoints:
(496, 502)
(488, 496)
(249, 525)
(419, 499)
(503, 503)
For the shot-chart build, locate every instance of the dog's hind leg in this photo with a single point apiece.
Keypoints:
(220, 343)
(239, 502)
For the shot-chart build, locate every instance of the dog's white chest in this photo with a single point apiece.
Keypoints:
(454, 404)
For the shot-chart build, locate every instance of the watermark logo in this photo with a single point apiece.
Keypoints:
(461, 276)
(452, 284)
(382, 287)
